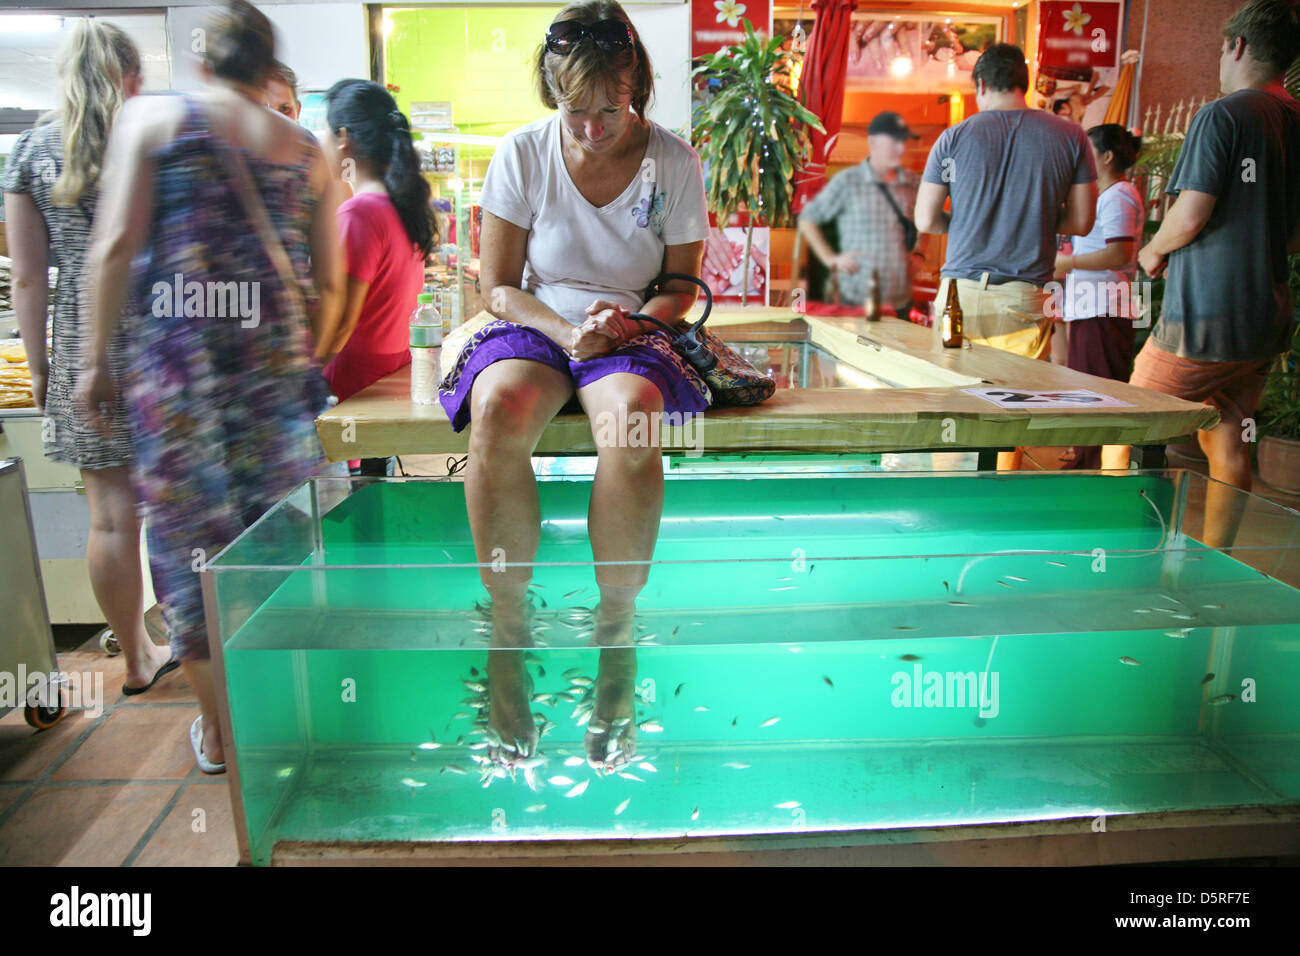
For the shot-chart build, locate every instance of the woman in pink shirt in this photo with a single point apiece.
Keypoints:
(387, 229)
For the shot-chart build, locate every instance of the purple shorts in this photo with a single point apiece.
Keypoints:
(650, 355)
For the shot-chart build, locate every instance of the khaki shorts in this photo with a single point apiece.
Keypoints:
(1011, 316)
(1234, 388)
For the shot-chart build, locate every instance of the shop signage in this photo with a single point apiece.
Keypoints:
(718, 23)
(1075, 38)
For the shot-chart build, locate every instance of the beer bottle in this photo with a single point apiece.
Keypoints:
(950, 330)
(873, 297)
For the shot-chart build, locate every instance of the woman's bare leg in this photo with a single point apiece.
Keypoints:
(113, 553)
(510, 405)
(627, 499)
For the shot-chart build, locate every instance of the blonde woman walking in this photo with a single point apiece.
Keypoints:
(51, 183)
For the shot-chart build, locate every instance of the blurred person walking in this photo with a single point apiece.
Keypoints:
(233, 209)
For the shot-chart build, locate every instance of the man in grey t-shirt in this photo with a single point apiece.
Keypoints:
(1017, 177)
(1227, 309)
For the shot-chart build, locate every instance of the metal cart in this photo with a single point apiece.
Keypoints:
(26, 641)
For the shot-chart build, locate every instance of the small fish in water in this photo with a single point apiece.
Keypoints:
(676, 629)
(579, 790)
(1213, 606)
(960, 604)
(695, 814)
(543, 698)
(651, 726)
(574, 593)
(737, 765)
(904, 627)
(582, 682)
(1221, 700)
(647, 766)
(678, 691)
(1183, 617)
(475, 686)
(829, 682)
(535, 808)
(788, 587)
(1179, 634)
(630, 776)
(452, 768)
(945, 586)
(572, 672)
(462, 715)
(701, 709)
(622, 806)
(1207, 678)
(1058, 564)
(908, 657)
(769, 722)
(1131, 661)
(1142, 610)
(1005, 585)
(560, 781)
(789, 805)
(473, 672)
(1012, 577)
(574, 762)
(415, 784)
(733, 720)
(431, 745)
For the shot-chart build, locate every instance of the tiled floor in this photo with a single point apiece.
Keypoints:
(117, 789)
(121, 789)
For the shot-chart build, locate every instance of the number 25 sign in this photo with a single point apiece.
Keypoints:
(1029, 398)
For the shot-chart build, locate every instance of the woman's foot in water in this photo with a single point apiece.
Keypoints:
(512, 732)
(611, 732)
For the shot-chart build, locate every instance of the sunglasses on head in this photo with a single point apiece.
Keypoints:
(609, 35)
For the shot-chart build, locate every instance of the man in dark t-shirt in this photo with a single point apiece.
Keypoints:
(1227, 309)
(1017, 177)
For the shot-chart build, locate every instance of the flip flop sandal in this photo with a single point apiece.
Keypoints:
(196, 741)
(163, 671)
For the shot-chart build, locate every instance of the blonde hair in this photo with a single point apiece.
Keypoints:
(93, 65)
(576, 78)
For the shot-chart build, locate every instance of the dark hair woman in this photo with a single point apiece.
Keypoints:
(1101, 294)
(387, 228)
(232, 206)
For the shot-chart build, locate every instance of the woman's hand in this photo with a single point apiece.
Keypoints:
(607, 327)
(1064, 264)
(40, 383)
(94, 393)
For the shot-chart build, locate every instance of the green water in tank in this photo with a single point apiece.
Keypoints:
(816, 654)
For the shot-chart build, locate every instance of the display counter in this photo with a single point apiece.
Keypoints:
(849, 387)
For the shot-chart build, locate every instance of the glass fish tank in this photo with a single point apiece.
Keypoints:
(819, 653)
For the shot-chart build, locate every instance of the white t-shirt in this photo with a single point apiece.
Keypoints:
(578, 253)
(1090, 293)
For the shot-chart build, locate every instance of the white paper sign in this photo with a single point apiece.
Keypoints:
(1039, 398)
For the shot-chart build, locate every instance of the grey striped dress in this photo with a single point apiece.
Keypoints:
(33, 167)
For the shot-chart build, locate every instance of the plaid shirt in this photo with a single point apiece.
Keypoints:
(869, 227)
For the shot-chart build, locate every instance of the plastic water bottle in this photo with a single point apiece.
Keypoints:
(426, 336)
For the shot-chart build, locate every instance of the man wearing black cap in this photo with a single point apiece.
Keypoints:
(872, 205)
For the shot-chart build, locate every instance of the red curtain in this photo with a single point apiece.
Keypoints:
(821, 89)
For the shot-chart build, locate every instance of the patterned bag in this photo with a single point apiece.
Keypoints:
(730, 377)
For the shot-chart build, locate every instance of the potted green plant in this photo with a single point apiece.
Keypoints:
(751, 133)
